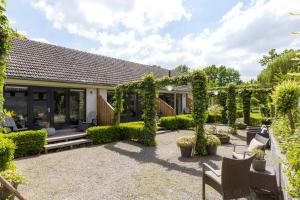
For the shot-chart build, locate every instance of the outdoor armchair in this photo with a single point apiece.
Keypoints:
(10, 125)
(258, 142)
(91, 119)
(232, 181)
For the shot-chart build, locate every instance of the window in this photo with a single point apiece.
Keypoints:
(16, 100)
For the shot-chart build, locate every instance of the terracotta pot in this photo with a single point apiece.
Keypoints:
(212, 150)
(186, 151)
(259, 165)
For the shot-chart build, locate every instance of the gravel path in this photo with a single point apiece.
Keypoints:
(120, 170)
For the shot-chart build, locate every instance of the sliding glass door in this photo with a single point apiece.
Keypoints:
(77, 106)
(40, 108)
(59, 108)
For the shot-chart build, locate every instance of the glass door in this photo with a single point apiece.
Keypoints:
(178, 104)
(40, 108)
(76, 106)
(59, 108)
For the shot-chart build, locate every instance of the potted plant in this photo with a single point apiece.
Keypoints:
(14, 178)
(223, 136)
(259, 162)
(186, 145)
(241, 125)
(212, 143)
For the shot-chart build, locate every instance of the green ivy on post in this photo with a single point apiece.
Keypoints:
(246, 97)
(149, 110)
(231, 108)
(118, 105)
(200, 104)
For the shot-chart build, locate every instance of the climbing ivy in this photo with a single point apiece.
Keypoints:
(246, 98)
(231, 108)
(118, 105)
(200, 104)
(149, 110)
(6, 34)
(222, 97)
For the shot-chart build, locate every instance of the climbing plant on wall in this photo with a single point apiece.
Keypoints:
(148, 86)
(200, 104)
(246, 99)
(6, 34)
(231, 108)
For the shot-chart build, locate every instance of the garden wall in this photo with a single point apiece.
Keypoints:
(277, 157)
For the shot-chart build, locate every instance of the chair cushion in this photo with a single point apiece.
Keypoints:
(255, 144)
(239, 155)
(213, 176)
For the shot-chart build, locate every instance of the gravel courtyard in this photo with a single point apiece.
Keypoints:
(120, 170)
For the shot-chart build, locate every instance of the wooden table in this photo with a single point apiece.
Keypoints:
(264, 181)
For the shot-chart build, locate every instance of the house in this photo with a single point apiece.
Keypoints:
(57, 86)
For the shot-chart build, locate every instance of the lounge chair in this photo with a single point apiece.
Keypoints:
(10, 125)
(91, 120)
(258, 142)
(252, 131)
(232, 181)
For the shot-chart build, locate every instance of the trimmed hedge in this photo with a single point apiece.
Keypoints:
(123, 131)
(177, 122)
(28, 142)
(7, 150)
(213, 118)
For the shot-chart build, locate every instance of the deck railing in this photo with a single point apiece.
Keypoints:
(105, 111)
(10, 188)
(164, 108)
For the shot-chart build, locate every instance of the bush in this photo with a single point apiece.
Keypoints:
(211, 118)
(28, 142)
(256, 120)
(123, 131)
(231, 108)
(7, 149)
(186, 141)
(177, 122)
(212, 140)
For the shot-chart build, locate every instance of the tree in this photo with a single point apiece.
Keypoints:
(231, 108)
(266, 59)
(279, 67)
(182, 69)
(6, 34)
(221, 76)
(158, 66)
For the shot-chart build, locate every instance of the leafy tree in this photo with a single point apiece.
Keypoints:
(221, 76)
(279, 67)
(6, 34)
(182, 69)
(266, 59)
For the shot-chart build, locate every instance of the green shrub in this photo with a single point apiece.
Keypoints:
(213, 118)
(177, 122)
(286, 96)
(231, 107)
(239, 113)
(28, 142)
(186, 141)
(7, 149)
(212, 140)
(123, 131)
(13, 176)
(256, 119)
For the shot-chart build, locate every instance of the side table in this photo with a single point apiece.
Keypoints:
(264, 181)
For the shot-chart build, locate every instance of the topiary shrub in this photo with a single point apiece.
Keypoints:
(177, 122)
(7, 150)
(28, 142)
(246, 97)
(200, 104)
(123, 131)
(286, 97)
(231, 108)
(222, 98)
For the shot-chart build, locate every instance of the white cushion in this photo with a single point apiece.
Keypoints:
(255, 144)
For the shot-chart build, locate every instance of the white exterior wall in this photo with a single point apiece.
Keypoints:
(103, 93)
(91, 104)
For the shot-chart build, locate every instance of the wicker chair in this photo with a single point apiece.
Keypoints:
(232, 181)
(261, 139)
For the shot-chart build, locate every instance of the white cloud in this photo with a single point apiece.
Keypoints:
(104, 14)
(130, 30)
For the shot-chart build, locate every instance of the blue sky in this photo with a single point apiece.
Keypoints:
(167, 33)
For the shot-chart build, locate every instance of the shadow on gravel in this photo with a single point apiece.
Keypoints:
(148, 155)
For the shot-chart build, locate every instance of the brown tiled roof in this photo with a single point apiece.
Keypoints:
(46, 62)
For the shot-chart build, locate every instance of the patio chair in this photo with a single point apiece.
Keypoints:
(10, 125)
(91, 120)
(232, 181)
(252, 131)
(258, 142)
